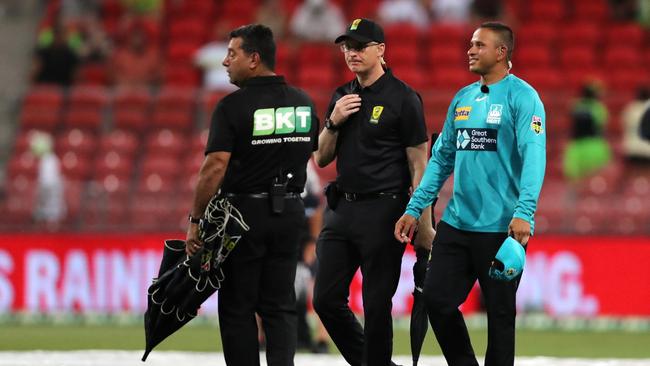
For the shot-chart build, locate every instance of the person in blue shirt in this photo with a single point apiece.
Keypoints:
(494, 141)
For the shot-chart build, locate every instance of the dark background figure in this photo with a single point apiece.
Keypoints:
(56, 62)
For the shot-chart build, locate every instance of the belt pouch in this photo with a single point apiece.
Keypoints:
(332, 195)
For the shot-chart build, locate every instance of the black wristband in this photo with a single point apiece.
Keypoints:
(330, 125)
(193, 220)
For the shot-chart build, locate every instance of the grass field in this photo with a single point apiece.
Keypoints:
(205, 338)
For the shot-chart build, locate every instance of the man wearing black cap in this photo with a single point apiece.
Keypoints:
(375, 129)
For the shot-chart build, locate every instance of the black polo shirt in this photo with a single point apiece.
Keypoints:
(371, 146)
(270, 128)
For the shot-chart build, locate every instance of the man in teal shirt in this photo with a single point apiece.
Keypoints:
(494, 141)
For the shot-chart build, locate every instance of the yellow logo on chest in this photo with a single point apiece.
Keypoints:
(376, 113)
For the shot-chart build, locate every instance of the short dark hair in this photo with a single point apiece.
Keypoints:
(505, 33)
(257, 38)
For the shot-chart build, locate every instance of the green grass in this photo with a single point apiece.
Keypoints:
(609, 344)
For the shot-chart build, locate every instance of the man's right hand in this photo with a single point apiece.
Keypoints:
(405, 227)
(192, 241)
(344, 107)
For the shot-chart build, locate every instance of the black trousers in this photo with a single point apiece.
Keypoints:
(260, 274)
(458, 259)
(359, 234)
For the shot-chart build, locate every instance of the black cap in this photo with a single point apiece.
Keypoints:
(363, 30)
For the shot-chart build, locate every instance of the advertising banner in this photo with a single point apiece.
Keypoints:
(106, 273)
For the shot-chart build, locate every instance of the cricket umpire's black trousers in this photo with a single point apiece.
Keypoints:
(458, 258)
(260, 274)
(359, 234)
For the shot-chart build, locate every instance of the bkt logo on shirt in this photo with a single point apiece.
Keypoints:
(285, 120)
(476, 139)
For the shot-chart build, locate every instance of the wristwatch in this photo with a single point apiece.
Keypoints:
(330, 126)
(193, 220)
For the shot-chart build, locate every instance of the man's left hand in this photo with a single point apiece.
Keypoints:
(520, 230)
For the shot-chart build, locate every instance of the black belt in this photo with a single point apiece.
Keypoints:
(288, 195)
(349, 196)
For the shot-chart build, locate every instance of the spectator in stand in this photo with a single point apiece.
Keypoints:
(403, 11)
(55, 62)
(49, 207)
(317, 21)
(588, 152)
(271, 13)
(135, 63)
(95, 45)
(451, 11)
(635, 148)
(625, 10)
(210, 56)
(148, 8)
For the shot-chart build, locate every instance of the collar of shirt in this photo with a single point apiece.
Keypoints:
(376, 86)
(265, 80)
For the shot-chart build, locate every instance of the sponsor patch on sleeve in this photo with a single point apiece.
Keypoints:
(462, 113)
(536, 125)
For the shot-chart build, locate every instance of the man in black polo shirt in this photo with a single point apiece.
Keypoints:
(375, 129)
(261, 137)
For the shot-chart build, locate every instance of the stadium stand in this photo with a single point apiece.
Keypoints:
(131, 156)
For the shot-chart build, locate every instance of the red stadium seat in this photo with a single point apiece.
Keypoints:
(316, 76)
(446, 55)
(538, 32)
(131, 120)
(44, 98)
(172, 119)
(166, 166)
(361, 9)
(626, 79)
(317, 54)
(445, 34)
(622, 57)
(39, 119)
(405, 34)
(24, 165)
(402, 55)
(181, 76)
(583, 34)
(548, 10)
(94, 74)
(453, 77)
(577, 57)
(88, 97)
(176, 99)
(413, 76)
(628, 34)
(113, 163)
(77, 140)
(165, 142)
(129, 99)
(186, 28)
(182, 51)
(541, 78)
(76, 167)
(153, 183)
(122, 141)
(84, 118)
(596, 11)
(533, 56)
